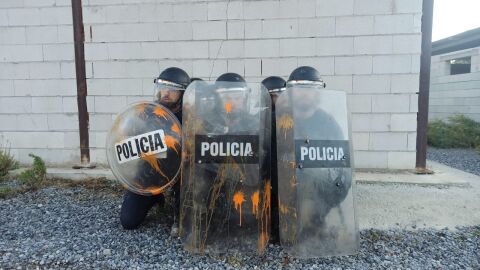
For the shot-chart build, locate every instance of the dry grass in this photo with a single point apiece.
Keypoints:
(94, 184)
(35, 178)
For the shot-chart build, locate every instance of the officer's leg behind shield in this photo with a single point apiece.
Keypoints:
(135, 208)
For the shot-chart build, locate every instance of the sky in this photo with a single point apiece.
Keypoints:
(452, 17)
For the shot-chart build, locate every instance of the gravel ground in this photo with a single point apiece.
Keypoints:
(463, 159)
(77, 228)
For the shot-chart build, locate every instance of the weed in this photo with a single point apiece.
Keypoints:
(457, 132)
(6, 192)
(373, 235)
(36, 175)
(7, 160)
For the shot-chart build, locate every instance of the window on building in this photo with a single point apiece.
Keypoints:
(460, 65)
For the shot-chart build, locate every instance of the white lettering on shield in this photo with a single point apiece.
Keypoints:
(322, 153)
(229, 149)
(134, 147)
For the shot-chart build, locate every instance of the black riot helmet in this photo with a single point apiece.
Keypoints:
(231, 77)
(305, 75)
(196, 79)
(170, 86)
(274, 84)
(230, 82)
(174, 76)
(198, 82)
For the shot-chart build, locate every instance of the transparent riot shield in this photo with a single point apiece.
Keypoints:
(144, 147)
(315, 184)
(225, 188)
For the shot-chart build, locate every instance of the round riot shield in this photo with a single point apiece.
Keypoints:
(225, 188)
(315, 186)
(144, 148)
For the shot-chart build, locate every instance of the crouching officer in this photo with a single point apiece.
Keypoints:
(169, 88)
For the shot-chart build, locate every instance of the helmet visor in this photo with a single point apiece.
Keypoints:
(168, 94)
(299, 83)
(277, 91)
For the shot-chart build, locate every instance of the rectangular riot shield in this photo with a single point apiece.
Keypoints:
(225, 188)
(315, 184)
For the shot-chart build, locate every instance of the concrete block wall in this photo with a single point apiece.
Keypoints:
(455, 94)
(368, 48)
(38, 108)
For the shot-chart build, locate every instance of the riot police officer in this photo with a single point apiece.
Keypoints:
(313, 120)
(302, 79)
(320, 189)
(169, 87)
(275, 86)
(225, 196)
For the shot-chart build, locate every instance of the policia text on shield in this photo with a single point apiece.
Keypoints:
(260, 163)
(233, 149)
(135, 147)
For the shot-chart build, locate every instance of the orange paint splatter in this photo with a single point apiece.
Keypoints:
(262, 243)
(175, 128)
(255, 202)
(158, 111)
(267, 195)
(155, 191)
(228, 107)
(266, 213)
(238, 200)
(152, 190)
(172, 143)
(140, 108)
(152, 160)
(285, 122)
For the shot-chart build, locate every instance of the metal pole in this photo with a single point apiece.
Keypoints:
(425, 61)
(79, 38)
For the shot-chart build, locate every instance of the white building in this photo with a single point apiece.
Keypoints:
(368, 48)
(455, 76)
